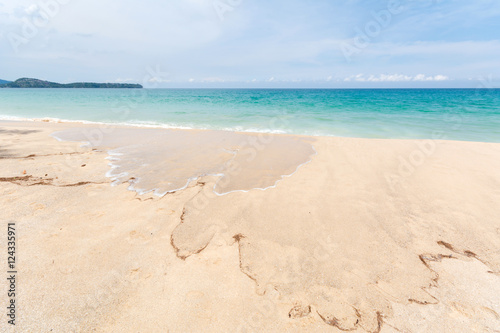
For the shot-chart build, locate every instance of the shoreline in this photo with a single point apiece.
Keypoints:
(86, 123)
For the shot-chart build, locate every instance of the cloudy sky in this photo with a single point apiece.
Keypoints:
(253, 43)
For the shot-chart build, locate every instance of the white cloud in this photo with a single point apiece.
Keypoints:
(441, 78)
(120, 80)
(422, 77)
(31, 9)
(395, 78)
(157, 80)
(436, 48)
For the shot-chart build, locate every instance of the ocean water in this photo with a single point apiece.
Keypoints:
(452, 114)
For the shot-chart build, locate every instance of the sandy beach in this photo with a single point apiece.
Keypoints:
(310, 234)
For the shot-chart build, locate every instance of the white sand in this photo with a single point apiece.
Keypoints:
(371, 235)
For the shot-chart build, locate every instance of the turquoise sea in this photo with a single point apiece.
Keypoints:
(453, 114)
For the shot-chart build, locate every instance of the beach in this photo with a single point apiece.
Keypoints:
(248, 232)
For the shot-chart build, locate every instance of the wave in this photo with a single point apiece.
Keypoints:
(154, 124)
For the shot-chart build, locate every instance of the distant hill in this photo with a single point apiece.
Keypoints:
(35, 83)
(4, 82)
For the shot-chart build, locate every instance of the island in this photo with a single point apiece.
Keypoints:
(36, 83)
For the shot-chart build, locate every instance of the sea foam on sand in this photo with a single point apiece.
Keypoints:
(165, 161)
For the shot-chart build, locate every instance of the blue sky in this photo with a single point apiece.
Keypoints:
(254, 43)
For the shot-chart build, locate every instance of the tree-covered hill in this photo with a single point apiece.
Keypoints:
(35, 83)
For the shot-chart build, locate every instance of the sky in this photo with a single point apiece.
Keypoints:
(254, 43)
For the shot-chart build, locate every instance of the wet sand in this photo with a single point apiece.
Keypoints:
(363, 235)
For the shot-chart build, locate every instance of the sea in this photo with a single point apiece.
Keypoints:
(448, 114)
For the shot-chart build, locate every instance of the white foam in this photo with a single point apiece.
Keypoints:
(159, 125)
(142, 159)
